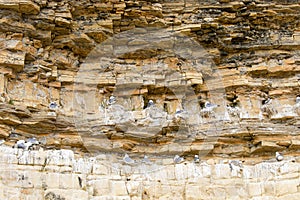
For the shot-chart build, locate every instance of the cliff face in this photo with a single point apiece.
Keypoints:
(215, 78)
(61, 61)
(61, 175)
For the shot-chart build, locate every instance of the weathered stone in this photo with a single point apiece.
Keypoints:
(14, 60)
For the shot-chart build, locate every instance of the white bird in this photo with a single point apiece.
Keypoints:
(208, 109)
(33, 141)
(112, 100)
(196, 159)
(146, 160)
(267, 101)
(21, 144)
(297, 105)
(279, 157)
(127, 159)
(235, 165)
(180, 114)
(297, 99)
(150, 103)
(53, 106)
(210, 105)
(177, 159)
(268, 108)
(233, 110)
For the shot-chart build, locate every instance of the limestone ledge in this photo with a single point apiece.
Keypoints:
(63, 174)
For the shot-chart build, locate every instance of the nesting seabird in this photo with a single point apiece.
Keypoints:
(268, 108)
(235, 165)
(112, 100)
(180, 114)
(150, 103)
(196, 159)
(233, 110)
(297, 105)
(21, 144)
(208, 109)
(127, 159)
(146, 160)
(297, 99)
(33, 141)
(279, 157)
(53, 106)
(210, 105)
(177, 159)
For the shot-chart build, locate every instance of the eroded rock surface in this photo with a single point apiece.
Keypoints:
(179, 54)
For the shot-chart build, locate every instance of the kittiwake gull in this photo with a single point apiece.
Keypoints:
(279, 157)
(112, 100)
(235, 165)
(127, 159)
(268, 108)
(196, 159)
(297, 99)
(177, 159)
(208, 109)
(146, 160)
(297, 105)
(233, 110)
(150, 103)
(53, 106)
(210, 105)
(33, 141)
(21, 144)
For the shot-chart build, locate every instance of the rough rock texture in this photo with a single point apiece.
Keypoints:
(61, 175)
(62, 61)
(230, 53)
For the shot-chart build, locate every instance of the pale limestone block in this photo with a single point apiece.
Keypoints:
(118, 188)
(100, 186)
(51, 180)
(70, 181)
(206, 170)
(269, 188)
(68, 194)
(100, 169)
(134, 187)
(254, 189)
(294, 196)
(51, 168)
(218, 192)
(284, 187)
(222, 171)
(181, 172)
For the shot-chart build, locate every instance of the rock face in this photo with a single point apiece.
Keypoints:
(61, 175)
(215, 78)
(179, 55)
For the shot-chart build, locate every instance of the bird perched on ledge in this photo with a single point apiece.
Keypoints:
(112, 100)
(297, 105)
(177, 159)
(268, 108)
(127, 159)
(196, 159)
(150, 103)
(208, 109)
(279, 157)
(235, 165)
